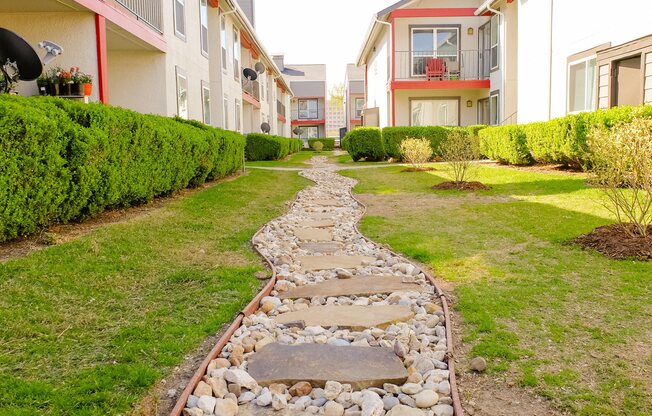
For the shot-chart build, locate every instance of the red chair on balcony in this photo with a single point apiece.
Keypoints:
(435, 68)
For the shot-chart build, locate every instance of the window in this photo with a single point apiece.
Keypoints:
(495, 39)
(223, 40)
(226, 112)
(310, 132)
(236, 53)
(494, 109)
(206, 102)
(180, 18)
(263, 86)
(433, 43)
(182, 94)
(483, 111)
(582, 78)
(237, 116)
(203, 20)
(308, 109)
(435, 112)
(359, 105)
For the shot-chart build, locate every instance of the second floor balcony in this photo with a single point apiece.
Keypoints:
(149, 12)
(280, 108)
(462, 65)
(308, 114)
(251, 87)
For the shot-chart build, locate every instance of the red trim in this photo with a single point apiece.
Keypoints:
(250, 99)
(247, 43)
(281, 118)
(307, 122)
(126, 21)
(100, 39)
(434, 12)
(393, 24)
(213, 3)
(439, 85)
(355, 122)
(309, 98)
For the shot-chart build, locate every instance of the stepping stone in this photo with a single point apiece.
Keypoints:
(357, 285)
(362, 367)
(355, 317)
(331, 247)
(317, 224)
(322, 215)
(326, 202)
(313, 234)
(332, 262)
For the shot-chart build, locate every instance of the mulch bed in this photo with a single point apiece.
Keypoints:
(461, 186)
(614, 242)
(421, 169)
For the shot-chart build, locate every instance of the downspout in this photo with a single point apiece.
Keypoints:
(391, 69)
(552, 4)
(503, 57)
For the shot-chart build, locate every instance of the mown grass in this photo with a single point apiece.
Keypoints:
(295, 160)
(571, 324)
(87, 327)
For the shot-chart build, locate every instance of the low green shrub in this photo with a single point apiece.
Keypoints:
(393, 136)
(268, 147)
(365, 142)
(62, 160)
(506, 144)
(329, 144)
(344, 142)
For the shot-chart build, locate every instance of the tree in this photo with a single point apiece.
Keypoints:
(336, 95)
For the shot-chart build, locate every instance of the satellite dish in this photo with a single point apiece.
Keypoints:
(265, 127)
(298, 131)
(250, 74)
(259, 67)
(18, 60)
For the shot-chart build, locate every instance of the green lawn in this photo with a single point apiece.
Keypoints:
(571, 324)
(295, 160)
(87, 327)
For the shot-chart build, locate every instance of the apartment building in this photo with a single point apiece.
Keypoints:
(167, 57)
(444, 62)
(308, 107)
(353, 95)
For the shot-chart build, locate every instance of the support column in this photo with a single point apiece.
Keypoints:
(100, 39)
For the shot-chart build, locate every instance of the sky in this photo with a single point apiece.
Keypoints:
(316, 32)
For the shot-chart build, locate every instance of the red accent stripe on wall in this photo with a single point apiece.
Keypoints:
(250, 99)
(440, 85)
(100, 38)
(213, 3)
(281, 118)
(307, 122)
(434, 12)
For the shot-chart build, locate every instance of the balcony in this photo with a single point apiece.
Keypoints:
(252, 88)
(315, 116)
(280, 108)
(462, 70)
(149, 12)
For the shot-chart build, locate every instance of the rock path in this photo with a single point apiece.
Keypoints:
(380, 349)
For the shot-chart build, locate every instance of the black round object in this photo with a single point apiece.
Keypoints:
(16, 49)
(265, 127)
(259, 67)
(250, 74)
(297, 131)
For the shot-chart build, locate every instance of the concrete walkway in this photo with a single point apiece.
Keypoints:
(323, 342)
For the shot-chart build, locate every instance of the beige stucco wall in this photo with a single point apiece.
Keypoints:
(468, 115)
(74, 31)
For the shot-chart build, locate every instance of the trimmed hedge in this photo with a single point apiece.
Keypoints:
(267, 147)
(62, 160)
(329, 144)
(393, 136)
(506, 144)
(365, 142)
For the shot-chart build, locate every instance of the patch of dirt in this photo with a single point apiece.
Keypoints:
(421, 169)
(62, 233)
(543, 168)
(416, 203)
(462, 186)
(487, 395)
(615, 242)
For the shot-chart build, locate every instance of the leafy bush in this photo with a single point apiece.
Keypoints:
(328, 144)
(506, 144)
(393, 136)
(344, 142)
(365, 142)
(416, 151)
(62, 160)
(621, 162)
(317, 146)
(267, 147)
(460, 149)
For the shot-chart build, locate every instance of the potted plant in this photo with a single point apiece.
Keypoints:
(87, 81)
(65, 82)
(53, 81)
(43, 83)
(77, 85)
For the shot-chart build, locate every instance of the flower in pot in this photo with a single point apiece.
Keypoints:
(53, 79)
(43, 83)
(77, 84)
(65, 82)
(87, 81)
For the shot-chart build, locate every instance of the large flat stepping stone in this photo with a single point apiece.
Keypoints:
(361, 367)
(313, 234)
(323, 247)
(357, 285)
(355, 317)
(322, 215)
(326, 202)
(332, 262)
(317, 224)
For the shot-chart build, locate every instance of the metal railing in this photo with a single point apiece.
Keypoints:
(147, 11)
(251, 87)
(463, 65)
(308, 114)
(280, 108)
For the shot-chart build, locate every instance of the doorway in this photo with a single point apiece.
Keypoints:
(628, 82)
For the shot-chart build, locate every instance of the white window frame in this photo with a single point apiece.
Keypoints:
(495, 18)
(494, 96)
(238, 109)
(181, 34)
(226, 112)
(263, 86)
(434, 43)
(357, 112)
(225, 54)
(203, 27)
(304, 135)
(181, 75)
(308, 100)
(453, 99)
(585, 61)
(206, 102)
(236, 53)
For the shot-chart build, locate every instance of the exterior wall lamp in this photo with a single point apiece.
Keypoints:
(469, 31)
(469, 103)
